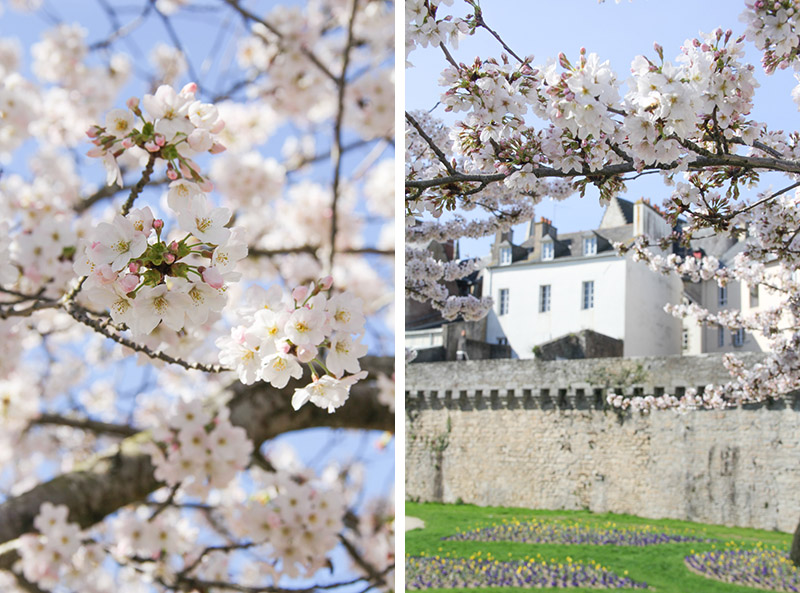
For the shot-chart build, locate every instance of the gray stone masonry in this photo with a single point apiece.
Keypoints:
(539, 435)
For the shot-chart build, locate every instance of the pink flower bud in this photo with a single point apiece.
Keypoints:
(151, 147)
(158, 224)
(189, 89)
(217, 127)
(133, 267)
(326, 283)
(306, 354)
(171, 174)
(217, 148)
(132, 103)
(160, 139)
(213, 278)
(127, 143)
(173, 247)
(129, 282)
(93, 132)
(96, 152)
(169, 258)
(300, 293)
(206, 185)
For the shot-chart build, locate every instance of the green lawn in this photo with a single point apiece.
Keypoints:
(660, 566)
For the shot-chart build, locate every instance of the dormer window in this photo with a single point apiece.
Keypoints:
(590, 246)
(547, 250)
(505, 256)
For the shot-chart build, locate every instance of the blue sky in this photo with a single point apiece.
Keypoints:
(616, 32)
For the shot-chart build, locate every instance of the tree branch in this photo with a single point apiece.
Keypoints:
(702, 162)
(336, 149)
(312, 250)
(436, 150)
(137, 189)
(80, 314)
(95, 426)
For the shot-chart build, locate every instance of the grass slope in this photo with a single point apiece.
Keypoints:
(660, 566)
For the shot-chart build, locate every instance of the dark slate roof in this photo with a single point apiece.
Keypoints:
(611, 235)
(570, 245)
(627, 209)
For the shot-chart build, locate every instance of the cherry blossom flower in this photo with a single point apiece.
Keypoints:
(157, 304)
(117, 243)
(204, 222)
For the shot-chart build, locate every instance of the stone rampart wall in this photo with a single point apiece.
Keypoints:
(538, 435)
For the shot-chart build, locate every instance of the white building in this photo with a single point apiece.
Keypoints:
(553, 285)
(700, 339)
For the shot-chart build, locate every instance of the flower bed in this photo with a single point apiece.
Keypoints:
(428, 572)
(535, 531)
(765, 568)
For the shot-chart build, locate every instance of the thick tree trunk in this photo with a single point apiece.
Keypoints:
(794, 552)
(125, 475)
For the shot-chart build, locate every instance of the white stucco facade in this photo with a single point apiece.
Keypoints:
(713, 339)
(628, 302)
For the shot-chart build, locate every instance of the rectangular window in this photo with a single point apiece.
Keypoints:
(544, 298)
(502, 341)
(738, 337)
(547, 250)
(588, 295)
(505, 256)
(590, 246)
(503, 301)
(754, 295)
(722, 293)
(720, 336)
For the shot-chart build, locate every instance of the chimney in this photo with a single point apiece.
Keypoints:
(499, 237)
(540, 229)
(544, 227)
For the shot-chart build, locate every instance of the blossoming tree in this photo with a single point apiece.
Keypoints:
(220, 289)
(526, 131)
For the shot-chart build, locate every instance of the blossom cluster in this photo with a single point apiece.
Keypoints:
(297, 521)
(198, 449)
(46, 557)
(424, 29)
(424, 276)
(142, 534)
(144, 278)
(297, 87)
(282, 333)
(772, 25)
(173, 126)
